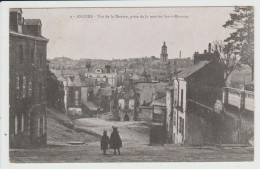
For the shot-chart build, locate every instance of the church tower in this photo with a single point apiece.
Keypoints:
(164, 55)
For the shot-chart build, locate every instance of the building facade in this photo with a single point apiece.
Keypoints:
(191, 100)
(103, 73)
(80, 95)
(27, 70)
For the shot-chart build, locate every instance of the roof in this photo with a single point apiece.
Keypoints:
(91, 106)
(160, 102)
(191, 70)
(32, 22)
(79, 81)
(15, 10)
(105, 92)
(40, 38)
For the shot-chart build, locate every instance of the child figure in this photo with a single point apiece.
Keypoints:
(104, 142)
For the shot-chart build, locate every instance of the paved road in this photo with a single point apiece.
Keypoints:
(135, 148)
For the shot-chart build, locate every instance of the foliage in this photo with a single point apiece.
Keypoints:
(240, 43)
(54, 92)
(229, 60)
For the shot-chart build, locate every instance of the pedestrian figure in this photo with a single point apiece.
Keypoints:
(104, 142)
(115, 141)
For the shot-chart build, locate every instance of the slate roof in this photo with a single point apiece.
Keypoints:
(91, 106)
(105, 92)
(16, 10)
(191, 70)
(32, 22)
(28, 36)
(160, 102)
(79, 81)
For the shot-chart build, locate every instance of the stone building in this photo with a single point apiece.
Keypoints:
(80, 94)
(128, 101)
(191, 100)
(103, 73)
(27, 70)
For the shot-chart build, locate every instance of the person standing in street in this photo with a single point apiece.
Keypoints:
(115, 141)
(104, 142)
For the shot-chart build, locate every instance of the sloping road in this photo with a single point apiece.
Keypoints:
(130, 132)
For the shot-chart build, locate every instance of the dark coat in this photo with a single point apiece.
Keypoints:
(104, 142)
(115, 140)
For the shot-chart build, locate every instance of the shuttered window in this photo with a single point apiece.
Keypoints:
(76, 98)
(17, 87)
(15, 124)
(22, 123)
(24, 86)
(30, 88)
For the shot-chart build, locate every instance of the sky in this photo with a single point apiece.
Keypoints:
(79, 32)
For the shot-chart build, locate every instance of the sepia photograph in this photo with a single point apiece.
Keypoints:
(131, 84)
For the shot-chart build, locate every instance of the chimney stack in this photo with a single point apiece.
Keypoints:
(205, 51)
(180, 54)
(209, 50)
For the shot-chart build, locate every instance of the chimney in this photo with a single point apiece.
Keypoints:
(180, 54)
(205, 51)
(209, 50)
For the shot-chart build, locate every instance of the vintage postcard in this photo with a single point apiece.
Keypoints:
(98, 84)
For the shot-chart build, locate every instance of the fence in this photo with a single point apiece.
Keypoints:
(242, 99)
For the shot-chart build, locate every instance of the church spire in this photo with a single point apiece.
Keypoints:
(164, 55)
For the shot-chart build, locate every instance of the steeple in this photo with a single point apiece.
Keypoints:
(164, 55)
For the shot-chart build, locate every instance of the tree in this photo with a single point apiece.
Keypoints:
(241, 42)
(227, 57)
(54, 92)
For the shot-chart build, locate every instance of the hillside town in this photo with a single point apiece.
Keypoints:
(166, 108)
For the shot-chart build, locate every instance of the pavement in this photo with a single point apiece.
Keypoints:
(135, 137)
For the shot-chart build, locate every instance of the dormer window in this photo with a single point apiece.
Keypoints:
(21, 54)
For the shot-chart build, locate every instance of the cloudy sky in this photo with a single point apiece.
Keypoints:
(72, 34)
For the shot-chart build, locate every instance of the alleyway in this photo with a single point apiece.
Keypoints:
(135, 147)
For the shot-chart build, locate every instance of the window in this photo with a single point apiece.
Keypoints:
(182, 99)
(43, 125)
(30, 89)
(40, 60)
(21, 54)
(32, 55)
(38, 124)
(19, 20)
(76, 98)
(15, 124)
(24, 86)
(174, 118)
(22, 123)
(17, 87)
(40, 92)
(181, 129)
(175, 95)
